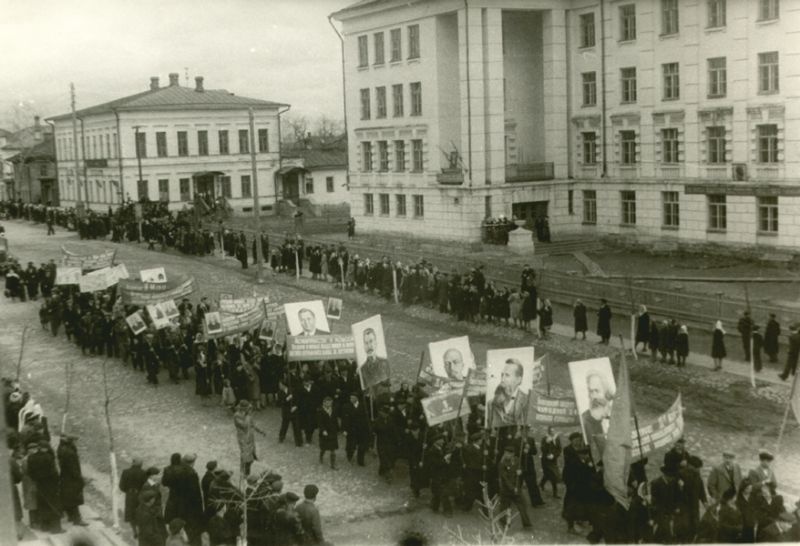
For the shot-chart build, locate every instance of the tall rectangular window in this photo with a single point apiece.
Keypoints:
(589, 140)
(587, 30)
(628, 211)
(669, 16)
(627, 141)
(768, 214)
(400, 204)
(263, 140)
(163, 190)
(669, 146)
(183, 143)
(672, 82)
(413, 41)
(365, 113)
(589, 88)
(717, 77)
(184, 185)
(570, 201)
(380, 102)
(589, 207)
(380, 52)
(309, 185)
(141, 144)
(225, 182)
(717, 213)
(399, 156)
(768, 143)
(161, 144)
(383, 156)
(768, 72)
(628, 85)
(416, 98)
(397, 100)
(416, 155)
(366, 156)
(247, 188)
(142, 189)
(329, 184)
(396, 39)
(419, 206)
(383, 201)
(768, 9)
(627, 22)
(363, 52)
(716, 13)
(202, 142)
(369, 204)
(671, 209)
(223, 143)
(244, 141)
(716, 144)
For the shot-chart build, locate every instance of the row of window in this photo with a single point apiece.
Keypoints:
(415, 90)
(716, 145)
(223, 142)
(767, 77)
(767, 211)
(380, 159)
(102, 146)
(184, 188)
(395, 46)
(716, 17)
(399, 202)
(329, 187)
(97, 191)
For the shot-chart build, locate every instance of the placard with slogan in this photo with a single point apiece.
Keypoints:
(443, 407)
(663, 432)
(237, 306)
(319, 347)
(67, 275)
(135, 293)
(243, 322)
(559, 412)
(88, 262)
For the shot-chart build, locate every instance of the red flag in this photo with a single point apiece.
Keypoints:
(617, 451)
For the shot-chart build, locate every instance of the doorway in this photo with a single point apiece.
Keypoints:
(530, 211)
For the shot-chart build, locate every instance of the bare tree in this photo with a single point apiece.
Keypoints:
(21, 115)
(328, 129)
(497, 523)
(294, 128)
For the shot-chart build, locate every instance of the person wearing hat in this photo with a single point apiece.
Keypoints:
(511, 490)
(668, 506)
(205, 482)
(328, 424)
(286, 525)
(71, 481)
(41, 467)
(472, 473)
(245, 435)
(149, 522)
(677, 456)
(309, 515)
(355, 425)
(438, 465)
(307, 400)
(551, 452)
(763, 473)
(757, 347)
(604, 322)
(152, 483)
(794, 352)
(724, 476)
(772, 334)
(130, 483)
(577, 475)
(177, 533)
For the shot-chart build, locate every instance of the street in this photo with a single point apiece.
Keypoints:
(721, 410)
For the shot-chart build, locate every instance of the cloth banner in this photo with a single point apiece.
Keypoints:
(559, 412)
(67, 275)
(236, 324)
(331, 347)
(88, 262)
(98, 280)
(237, 306)
(134, 293)
(443, 407)
(663, 432)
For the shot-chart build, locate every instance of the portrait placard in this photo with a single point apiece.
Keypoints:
(451, 358)
(267, 330)
(594, 388)
(156, 275)
(370, 347)
(170, 309)
(136, 323)
(158, 316)
(213, 323)
(510, 375)
(334, 308)
(306, 318)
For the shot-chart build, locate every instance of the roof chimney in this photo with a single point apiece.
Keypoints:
(37, 129)
(173, 79)
(198, 84)
(154, 83)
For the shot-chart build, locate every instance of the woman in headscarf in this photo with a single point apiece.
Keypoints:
(718, 345)
(682, 345)
(642, 328)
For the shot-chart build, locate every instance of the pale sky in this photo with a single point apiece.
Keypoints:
(280, 50)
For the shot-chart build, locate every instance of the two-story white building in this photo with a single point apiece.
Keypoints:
(646, 118)
(169, 144)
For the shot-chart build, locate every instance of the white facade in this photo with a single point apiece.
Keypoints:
(666, 118)
(182, 151)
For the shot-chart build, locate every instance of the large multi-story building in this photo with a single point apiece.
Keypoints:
(645, 118)
(184, 141)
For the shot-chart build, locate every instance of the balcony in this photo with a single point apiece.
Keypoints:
(529, 172)
(450, 177)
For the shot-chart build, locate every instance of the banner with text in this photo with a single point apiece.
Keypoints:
(558, 412)
(134, 293)
(67, 275)
(319, 347)
(236, 306)
(443, 407)
(236, 324)
(663, 432)
(88, 262)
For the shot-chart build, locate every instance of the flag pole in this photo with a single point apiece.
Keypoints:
(786, 416)
(633, 406)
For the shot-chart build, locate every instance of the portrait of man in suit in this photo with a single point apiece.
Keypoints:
(374, 369)
(308, 321)
(595, 419)
(510, 403)
(454, 364)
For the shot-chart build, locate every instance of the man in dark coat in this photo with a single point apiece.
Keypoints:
(328, 425)
(307, 402)
(71, 479)
(577, 475)
(42, 470)
(510, 484)
(149, 521)
(695, 493)
(472, 472)
(130, 483)
(745, 327)
(205, 483)
(189, 497)
(169, 479)
(309, 516)
(794, 352)
(771, 336)
(355, 425)
(604, 322)
(437, 463)
(668, 506)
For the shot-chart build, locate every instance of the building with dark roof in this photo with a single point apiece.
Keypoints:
(318, 176)
(170, 144)
(27, 164)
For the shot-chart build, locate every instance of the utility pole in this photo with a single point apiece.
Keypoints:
(78, 203)
(254, 176)
(139, 166)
